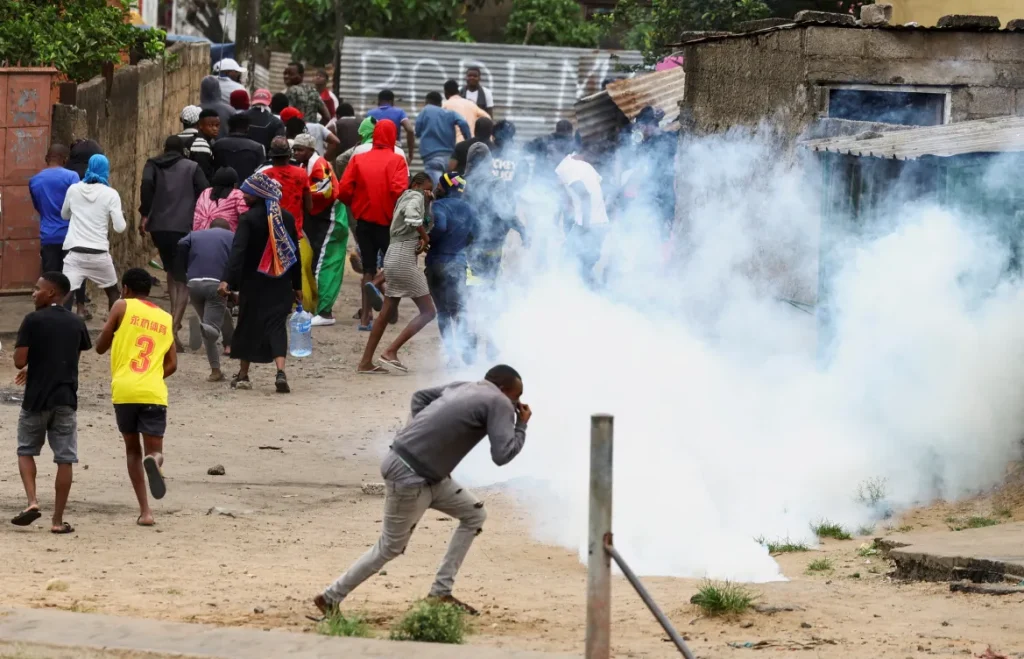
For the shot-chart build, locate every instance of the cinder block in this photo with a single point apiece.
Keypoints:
(835, 41)
(1019, 105)
(808, 16)
(787, 41)
(969, 21)
(1015, 24)
(987, 101)
(876, 15)
(1005, 46)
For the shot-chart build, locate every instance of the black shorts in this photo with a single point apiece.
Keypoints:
(135, 418)
(167, 244)
(373, 239)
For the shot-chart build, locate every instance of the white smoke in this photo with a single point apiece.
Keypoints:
(727, 425)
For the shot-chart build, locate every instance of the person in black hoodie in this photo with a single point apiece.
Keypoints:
(171, 185)
(81, 151)
(482, 133)
(210, 99)
(264, 126)
(237, 151)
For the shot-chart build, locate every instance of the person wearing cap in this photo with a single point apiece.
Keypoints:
(240, 100)
(263, 125)
(230, 77)
(326, 142)
(196, 146)
(323, 188)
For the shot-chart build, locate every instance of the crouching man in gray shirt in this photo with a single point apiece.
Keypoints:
(447, 422)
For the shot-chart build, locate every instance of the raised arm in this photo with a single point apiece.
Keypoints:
(506, 433)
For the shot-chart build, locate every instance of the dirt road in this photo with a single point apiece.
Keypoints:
(298, 518)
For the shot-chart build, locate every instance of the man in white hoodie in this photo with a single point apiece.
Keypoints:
(89, 206)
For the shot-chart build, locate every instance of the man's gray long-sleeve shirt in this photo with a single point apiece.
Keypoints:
(447, 422)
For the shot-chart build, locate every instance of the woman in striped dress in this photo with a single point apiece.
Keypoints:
(405, 278)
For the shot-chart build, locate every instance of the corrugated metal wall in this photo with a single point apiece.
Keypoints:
(534, 86)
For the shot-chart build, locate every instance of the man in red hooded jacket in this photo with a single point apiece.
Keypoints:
(371, 186)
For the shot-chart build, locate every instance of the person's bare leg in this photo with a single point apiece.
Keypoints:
(279, 363)
(27, 469)
(427, 313)
(366, 363)
(179, 302)
(243, 370)
(137, 475)
(113, 295)
(154, 446)
(62, 484)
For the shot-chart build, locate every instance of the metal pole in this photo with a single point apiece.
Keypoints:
(648, 600)
(599, 567)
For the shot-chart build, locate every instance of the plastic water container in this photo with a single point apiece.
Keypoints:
(300, 336)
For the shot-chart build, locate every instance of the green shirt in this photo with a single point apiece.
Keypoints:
(306, 99)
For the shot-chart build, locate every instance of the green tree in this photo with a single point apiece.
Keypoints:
(652, 25)
(551, 23)
(77, 37)
(306, 27)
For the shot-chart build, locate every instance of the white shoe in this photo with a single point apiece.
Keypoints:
(320, 321)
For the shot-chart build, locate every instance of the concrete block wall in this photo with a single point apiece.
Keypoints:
(786, 74)
(131, 123)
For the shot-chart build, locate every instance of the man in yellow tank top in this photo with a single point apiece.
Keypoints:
(140, 336)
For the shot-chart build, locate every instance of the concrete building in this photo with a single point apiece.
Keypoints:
(828, 66)
(928, 12)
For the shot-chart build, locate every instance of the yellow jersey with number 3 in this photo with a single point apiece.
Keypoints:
(137, 354)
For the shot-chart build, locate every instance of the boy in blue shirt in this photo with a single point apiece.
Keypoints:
(387, 110)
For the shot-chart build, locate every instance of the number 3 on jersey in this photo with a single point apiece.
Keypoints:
(146, 345)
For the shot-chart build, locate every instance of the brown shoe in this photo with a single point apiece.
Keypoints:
(450, 599)
(321, 603)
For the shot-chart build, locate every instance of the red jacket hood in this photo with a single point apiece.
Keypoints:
(385, 134)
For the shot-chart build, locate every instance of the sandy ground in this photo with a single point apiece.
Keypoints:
(300, 519)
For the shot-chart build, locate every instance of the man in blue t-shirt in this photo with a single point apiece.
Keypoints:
(386, 110)
(48, 188)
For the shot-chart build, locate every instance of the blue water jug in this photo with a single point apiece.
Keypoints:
(300, 337)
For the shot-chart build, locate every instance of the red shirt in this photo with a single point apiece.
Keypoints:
(325, 95)
(294, 182)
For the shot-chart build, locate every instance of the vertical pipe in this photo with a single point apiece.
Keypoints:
(599, 570)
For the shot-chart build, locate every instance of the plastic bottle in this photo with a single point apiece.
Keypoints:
(300, 337)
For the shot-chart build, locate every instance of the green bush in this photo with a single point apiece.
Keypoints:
(77, 37)
(432, 622)
(551, 23)
(339, 624)
(722, 598)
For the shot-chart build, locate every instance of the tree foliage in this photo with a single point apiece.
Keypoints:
(306, 27)
(551, 23)
(77, 37)
(205, 16)
(653, 25)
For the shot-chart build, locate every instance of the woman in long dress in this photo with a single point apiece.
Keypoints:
(264, 270)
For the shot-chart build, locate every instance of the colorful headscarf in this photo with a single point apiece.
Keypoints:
(366, 130)
(98, 170)
(280, 253)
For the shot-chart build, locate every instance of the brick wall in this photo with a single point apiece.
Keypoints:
(131, 122)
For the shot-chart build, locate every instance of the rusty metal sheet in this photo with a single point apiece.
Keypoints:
(598, 118)
(28, 99)
(19, 265)
(18, 220)
(662, 89)
(24, 153)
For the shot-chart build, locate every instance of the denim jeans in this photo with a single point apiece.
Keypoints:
(436, 165)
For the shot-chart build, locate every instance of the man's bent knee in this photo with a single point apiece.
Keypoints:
(476, 517)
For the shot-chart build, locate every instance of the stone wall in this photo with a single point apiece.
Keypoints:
(131, 121)
(786, 73)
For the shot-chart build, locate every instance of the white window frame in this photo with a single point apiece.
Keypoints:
(947, 106)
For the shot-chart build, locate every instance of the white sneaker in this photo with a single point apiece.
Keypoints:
(320, 321)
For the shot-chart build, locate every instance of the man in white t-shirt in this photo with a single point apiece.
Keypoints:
(477, 93)
(588, 216)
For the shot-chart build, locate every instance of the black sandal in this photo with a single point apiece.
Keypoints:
(281, 382)
(26, 517)
(64, 529)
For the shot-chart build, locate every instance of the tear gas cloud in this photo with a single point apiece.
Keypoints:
(727, 425)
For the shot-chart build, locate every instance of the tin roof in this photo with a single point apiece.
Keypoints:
(996, 135)
(601, 114)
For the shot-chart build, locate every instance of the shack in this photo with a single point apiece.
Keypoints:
(820, 67)
(969, 167)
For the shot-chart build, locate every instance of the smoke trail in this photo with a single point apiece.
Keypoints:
(727, 427)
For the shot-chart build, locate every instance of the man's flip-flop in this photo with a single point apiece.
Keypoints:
(26, 517)
(366, 328)
(64, 528)
(156, 479)
(395, 364)
(376, 297)
(138, 522)
(376, 370)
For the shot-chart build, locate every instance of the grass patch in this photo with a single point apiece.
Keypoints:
(827, 529)
(432, 622)
(820, 565)
(338, 624)
(721, 598)
(786, 546)
(960, 524)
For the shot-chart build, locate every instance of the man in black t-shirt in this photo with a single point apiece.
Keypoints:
(49, 342)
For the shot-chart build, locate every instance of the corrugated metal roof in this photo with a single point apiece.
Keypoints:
(534, 86)
(816, 23)
(1001, 134)
(600, 115)
(278, 63)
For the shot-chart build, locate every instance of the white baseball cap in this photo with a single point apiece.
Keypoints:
(227, 64)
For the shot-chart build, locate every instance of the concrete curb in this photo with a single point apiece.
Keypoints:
(52, 628)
